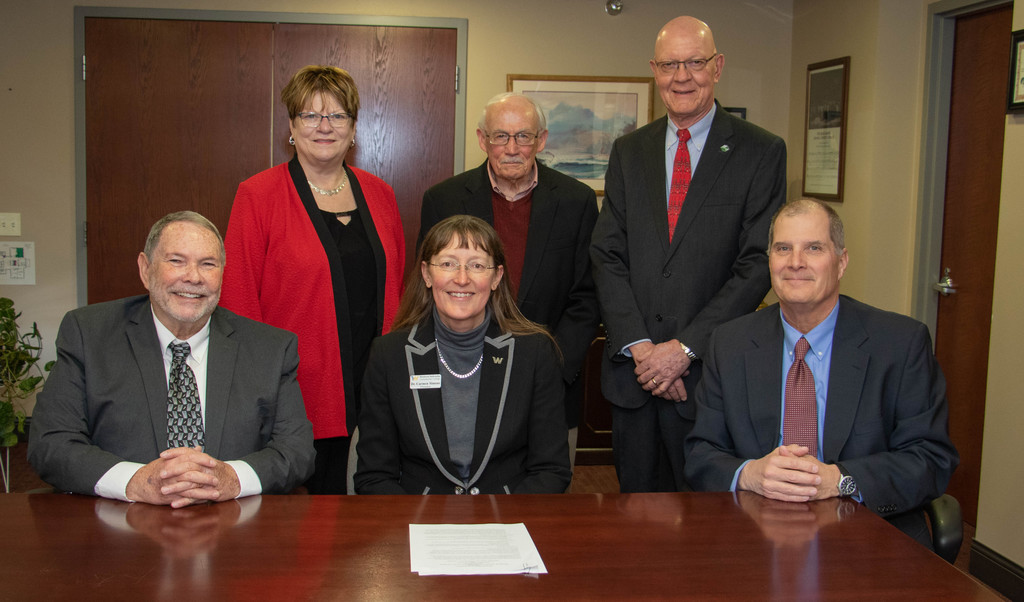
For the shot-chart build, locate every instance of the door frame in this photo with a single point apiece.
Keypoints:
(938, 81)
(83, 12)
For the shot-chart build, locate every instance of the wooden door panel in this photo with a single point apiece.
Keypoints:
(594, 439)
(175, 119)
(406, 81)
(971, 219)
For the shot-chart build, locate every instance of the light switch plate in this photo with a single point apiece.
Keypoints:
(10, 224)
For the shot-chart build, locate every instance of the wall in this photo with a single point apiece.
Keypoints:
(1002, 489)
(569, 37)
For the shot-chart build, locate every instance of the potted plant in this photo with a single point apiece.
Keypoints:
(20, 377)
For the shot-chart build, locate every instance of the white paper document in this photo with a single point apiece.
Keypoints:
(489, 549)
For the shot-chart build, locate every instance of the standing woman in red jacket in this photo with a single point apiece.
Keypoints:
(316, 247)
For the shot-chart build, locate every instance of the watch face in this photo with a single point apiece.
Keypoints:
(847, 485)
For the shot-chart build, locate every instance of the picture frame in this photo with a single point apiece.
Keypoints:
(740, 112)
(825, 129)
(1015, 89)
(585, 114)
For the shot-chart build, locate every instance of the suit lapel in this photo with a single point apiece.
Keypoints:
(764, 379)
(421, 358)
(220, 367)
(149, 357)
(542, 214)
(845, 381)
(477, 202)
(717, 149)
(499, 355)
(653, 146)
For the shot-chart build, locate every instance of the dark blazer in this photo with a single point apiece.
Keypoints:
(106, 399)
(886, 416)
(519, 446)
(557, 287)
(714, 270)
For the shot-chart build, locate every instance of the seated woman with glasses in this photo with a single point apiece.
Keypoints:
(315, 246)
(465, 395)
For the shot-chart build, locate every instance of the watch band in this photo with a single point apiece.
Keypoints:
(689, 352)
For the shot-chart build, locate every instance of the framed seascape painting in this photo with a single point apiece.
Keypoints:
(585, 115)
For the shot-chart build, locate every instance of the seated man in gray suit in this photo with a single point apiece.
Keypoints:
(168, 399)
(822, 396)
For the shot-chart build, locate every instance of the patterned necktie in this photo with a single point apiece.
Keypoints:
(680, 182)
(800, 424)
(184, 413)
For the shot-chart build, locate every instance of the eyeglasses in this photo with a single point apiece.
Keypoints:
(692, 65)
(473, 268)
(521, 138)
(313, 120)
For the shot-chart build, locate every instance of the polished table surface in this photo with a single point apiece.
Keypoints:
(662, 545)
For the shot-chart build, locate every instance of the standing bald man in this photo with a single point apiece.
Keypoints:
(677, 250)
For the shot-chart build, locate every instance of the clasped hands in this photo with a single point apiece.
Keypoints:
(183, 476)
(791, 474)
(660, 368)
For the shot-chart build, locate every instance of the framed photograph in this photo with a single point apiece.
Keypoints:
(825, 129)
(585, 115)
(740, 112)
(1015, 91)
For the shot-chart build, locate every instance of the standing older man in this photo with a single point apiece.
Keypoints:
(168, 399)
(821, 396)
(544, 219)
(678, 249)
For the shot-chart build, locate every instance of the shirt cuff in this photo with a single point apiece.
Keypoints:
(736, 476)
(625, 350)
(114, 483)
(248, 480)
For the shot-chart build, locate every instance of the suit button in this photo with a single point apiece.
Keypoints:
(657, 317)
(666, 274)
(474, 491)
(459, 490)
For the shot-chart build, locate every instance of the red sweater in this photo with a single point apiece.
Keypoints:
(277, 272)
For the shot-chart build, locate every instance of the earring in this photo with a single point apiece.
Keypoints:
(291, 140)
(353, 143)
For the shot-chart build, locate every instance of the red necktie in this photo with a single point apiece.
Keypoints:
(800, 423)
(680, 181)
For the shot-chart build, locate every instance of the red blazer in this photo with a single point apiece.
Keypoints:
(279, 272)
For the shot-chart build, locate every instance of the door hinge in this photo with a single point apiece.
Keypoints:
(456, 79)
(85, 234)
(83, 67)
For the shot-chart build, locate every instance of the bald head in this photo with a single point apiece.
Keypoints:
(686, 67)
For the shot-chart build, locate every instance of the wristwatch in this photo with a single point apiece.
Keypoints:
(689, 352)
(847, 486)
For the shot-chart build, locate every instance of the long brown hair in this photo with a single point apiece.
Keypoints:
(468, 232)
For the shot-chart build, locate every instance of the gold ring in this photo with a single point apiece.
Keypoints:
(655, 381)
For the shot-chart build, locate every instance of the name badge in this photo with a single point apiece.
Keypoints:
(425, 381)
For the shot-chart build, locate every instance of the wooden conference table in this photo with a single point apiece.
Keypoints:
(661, 545)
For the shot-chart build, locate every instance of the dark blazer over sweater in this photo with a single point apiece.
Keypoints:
(715, 268)
(886, 411)
(557, 286)
(519, 443)
(105, 400)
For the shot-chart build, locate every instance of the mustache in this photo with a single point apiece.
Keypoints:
(513, 161)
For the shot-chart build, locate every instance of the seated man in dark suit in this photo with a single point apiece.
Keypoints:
(166, 398)
(822, 396)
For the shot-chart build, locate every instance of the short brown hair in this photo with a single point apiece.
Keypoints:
(804, 205)
(321, 79)
(470, 232)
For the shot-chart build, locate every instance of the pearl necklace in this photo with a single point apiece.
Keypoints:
(479, 362)
(319, 190)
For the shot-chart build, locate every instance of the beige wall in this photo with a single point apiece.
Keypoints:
(1002, 488)
(568, 37)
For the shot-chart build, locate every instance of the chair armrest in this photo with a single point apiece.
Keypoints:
(947, 526)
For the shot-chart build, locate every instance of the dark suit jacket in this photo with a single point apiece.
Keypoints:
(519, 444)
(886, 410)
(715, 268)
(557, 288)
(106, 399)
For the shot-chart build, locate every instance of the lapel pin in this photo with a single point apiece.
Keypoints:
(724, 148)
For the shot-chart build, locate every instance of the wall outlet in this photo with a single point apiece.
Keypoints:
(10, 224)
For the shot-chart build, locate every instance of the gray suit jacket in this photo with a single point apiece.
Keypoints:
(519, 443)
(715, 268)
(557, 288)
(106, 399)
(886, 414)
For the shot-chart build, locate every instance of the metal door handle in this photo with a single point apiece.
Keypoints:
(945, 285)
